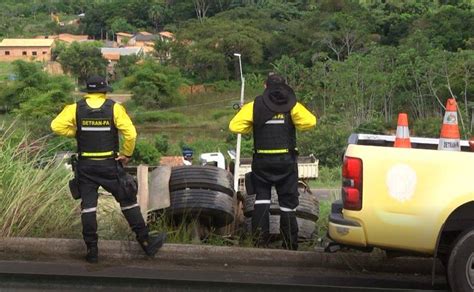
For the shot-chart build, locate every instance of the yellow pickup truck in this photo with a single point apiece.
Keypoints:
(417, 200)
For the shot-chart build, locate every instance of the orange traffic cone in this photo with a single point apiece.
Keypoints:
(450, 138)
(402, 140)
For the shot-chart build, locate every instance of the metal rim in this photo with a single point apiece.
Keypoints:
(470, 270)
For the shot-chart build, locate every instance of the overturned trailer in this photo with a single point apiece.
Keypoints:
(206, 194)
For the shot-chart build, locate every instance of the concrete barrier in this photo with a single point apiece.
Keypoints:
(50, 249)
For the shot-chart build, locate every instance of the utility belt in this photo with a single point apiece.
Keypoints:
(276, 151)
(128, 184)
(97, 155)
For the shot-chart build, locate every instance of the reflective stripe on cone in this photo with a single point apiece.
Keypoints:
(449, 138)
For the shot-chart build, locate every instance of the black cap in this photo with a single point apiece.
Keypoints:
(95, 84)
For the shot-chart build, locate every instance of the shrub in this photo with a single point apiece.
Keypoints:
(225, 85)
(161, 143)
(429, 127)
(155, 86)
(374, 126)
(146, 153)
(327, 143)
(246, 146)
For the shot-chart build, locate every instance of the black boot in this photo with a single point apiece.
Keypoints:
(152, 244)
(136, 222)
(261, 225)
(92, 255)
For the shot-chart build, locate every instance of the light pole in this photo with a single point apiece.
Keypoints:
(239, 136)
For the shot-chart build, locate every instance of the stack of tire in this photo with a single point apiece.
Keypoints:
(307, 213)
(205, 193)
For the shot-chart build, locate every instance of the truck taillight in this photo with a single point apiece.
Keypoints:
(352, 183)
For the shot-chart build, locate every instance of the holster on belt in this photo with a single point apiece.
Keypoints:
(74, 183)
(128, 183)
(249, 185)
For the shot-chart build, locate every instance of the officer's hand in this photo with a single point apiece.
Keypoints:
(123, 159)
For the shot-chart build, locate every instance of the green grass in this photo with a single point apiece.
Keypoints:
(321, 228)
(35, 202)
(187, 231)
(205, 129)
(162, 117)
(329, 178)
(322, 223)
(34, 199)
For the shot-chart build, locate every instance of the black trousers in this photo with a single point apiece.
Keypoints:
(281, 171)
(95, 173)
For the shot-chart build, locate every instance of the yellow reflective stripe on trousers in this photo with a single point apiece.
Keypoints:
(97, 154)
(273, 151)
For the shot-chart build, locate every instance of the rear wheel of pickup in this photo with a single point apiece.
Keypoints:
(461, 263)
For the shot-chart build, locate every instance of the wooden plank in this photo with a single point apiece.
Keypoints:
(159, 197)
(143, 193)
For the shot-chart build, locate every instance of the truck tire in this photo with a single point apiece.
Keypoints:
(460, 268)
(249, 201)
(306, 228)
(307, 209)
(201, 177)
(309, 206)
(212, 207)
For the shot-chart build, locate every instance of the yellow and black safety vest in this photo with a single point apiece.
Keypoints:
(97, 135)
(276, 135)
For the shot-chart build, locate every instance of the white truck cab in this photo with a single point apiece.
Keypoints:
(213, 158)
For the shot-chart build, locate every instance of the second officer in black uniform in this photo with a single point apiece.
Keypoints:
(274, 118)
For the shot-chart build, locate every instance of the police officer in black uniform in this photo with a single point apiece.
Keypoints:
(96, 122)
(274, 118)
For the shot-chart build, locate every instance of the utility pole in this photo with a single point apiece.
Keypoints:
(239, 136)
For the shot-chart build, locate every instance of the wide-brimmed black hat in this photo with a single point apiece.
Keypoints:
(279, 98)
(95, 84)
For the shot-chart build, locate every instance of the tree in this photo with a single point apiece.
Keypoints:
(295, 73)
(83, 60)
(214, 44)
(157, 14)
(155, 86)
(448, 28)
(126, 66)
(35, 96)
(120, 24)
(345, 33)
(201, 7)
(163, 49)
